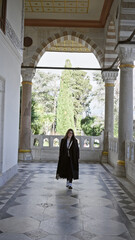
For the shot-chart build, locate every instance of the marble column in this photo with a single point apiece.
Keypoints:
(25, 124)
(126, 55)
(109, 78)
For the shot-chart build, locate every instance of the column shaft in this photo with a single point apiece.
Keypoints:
(109, 77)
(126, 55)
(109, 112)
(25, 130)
(125, 110)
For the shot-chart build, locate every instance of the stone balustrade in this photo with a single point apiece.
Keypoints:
(130, 151)
(129, 156)
(130, 160)
(46, 147)
(113, 151)
(113, 144)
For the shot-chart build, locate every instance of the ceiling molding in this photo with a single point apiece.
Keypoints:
(73, 23)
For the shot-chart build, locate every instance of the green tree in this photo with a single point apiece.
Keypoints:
(36, 121)
(45, 93)
(91, 128)
(116, 108)
(65, 110)
(99, 92)
(80, 88)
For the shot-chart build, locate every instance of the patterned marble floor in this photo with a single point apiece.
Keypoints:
(36, 206)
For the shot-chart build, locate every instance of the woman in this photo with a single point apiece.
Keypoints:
(68, 166)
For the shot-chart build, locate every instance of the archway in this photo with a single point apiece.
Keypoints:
(75, 36)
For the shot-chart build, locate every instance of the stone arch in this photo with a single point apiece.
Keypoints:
(75, 36)
(110, 54)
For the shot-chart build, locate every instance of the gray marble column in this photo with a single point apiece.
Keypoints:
(25, 124)
(126, 55)
(109, 78)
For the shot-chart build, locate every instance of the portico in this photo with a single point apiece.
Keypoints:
(104, 28)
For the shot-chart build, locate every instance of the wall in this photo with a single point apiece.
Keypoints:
(14, 15)
(10, 67)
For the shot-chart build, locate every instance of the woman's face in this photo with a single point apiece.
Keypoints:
(70, 134)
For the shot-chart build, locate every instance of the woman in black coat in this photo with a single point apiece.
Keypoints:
(68, 166)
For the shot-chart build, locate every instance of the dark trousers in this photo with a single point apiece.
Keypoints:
(69, 171)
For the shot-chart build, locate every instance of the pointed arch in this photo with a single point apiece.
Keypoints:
(75, 36)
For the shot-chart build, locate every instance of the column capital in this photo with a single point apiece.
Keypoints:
(28, 74)
(109, 77)
(126, 54)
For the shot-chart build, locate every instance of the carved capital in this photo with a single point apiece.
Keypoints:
(28, 74)
(109, 77)
(126, 54)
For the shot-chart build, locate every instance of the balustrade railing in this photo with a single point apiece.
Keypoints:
(130, 151)
(46, 147)
(53, 141)
(113, 144)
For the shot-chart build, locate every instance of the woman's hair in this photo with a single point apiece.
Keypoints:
(66, 135)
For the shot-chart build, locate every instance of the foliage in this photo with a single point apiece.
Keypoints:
(65, 111)
(99, 92)
(77, 83)
(91, 128)
(115, 129)
(36, 123)
(61, 107)
(45, 92)
(80, 88)
(116, 108)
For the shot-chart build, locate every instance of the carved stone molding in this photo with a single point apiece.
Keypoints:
(126, 53)
(28, 74)
(109, 76)
(13, 37)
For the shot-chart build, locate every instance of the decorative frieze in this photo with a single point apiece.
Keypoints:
(13, 37)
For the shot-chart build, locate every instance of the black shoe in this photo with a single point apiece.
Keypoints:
(69, 187)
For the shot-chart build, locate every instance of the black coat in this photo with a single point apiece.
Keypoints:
(63, 159)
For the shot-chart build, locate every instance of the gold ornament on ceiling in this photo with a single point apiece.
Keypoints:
(57, 6)
(67, 46)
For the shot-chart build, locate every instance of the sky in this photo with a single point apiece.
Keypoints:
(57, 59)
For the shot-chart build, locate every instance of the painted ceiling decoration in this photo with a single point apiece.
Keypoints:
(57, 6)
(67, 13)
(67, 46)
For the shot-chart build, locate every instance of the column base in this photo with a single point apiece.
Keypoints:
(119, 169)
(104, 157)
(25, 155)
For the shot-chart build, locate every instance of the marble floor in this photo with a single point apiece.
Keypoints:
(36, 206)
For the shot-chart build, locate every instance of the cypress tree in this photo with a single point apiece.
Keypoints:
(65, 110)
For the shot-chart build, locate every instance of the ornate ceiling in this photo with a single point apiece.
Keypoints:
(57, 6)
(67, 13)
